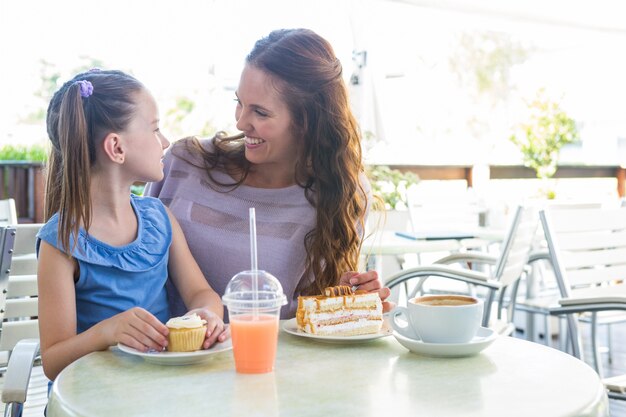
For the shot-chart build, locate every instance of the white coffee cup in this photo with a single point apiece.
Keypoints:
(444, 318)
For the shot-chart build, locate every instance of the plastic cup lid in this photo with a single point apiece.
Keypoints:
(240, 294)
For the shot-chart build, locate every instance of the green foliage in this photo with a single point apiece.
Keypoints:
(184, 107)
(50, 76)
(484, 60)
(540, 139)
(137, 188)
(391, 185)
(35, 153)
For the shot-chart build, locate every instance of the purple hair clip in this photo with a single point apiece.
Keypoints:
(86, 88)
(96, 69)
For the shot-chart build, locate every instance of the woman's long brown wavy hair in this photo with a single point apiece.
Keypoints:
(308, 75)
(75, 125)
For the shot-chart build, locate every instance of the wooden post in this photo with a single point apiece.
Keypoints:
(621, 181)
(469, 177)
(39, 194)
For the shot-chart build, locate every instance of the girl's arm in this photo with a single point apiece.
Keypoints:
(193, 287)
(60, 345)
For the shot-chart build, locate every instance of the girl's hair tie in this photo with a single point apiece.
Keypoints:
(86, 88)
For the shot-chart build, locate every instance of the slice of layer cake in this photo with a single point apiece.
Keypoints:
(340, 312)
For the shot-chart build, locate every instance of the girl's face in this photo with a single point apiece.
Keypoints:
(263, 116)
(144, 143)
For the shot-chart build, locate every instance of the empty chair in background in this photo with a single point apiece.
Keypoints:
(8, 212)
(507, 268)
(19, 337)
(540, 292)
(587, 250)
(447, 209)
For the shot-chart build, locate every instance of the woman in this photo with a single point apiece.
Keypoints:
(297, 161)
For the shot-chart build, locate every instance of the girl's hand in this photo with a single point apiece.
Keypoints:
(136, 328)
(368, 281)
(216, 331)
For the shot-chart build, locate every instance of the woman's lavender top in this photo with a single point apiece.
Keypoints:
(216, 224)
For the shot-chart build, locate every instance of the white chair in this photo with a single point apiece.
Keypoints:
(447, 206)
(24, 387)
(380, 222)
(8, 213)
(24, 258)
(587, 249)
(540, 292)
(508, 267)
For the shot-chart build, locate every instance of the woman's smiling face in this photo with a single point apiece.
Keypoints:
(263, 116)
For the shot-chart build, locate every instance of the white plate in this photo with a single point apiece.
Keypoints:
(484, 337)
(178, 358)
(291, 327)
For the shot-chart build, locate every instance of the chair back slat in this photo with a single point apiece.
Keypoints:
(517, 245)
(8, 212)
(595, 258)
(22, 286)
(595, 219)
(593, 240)
(24, 264)
(595, 276)
(26, 238)
(586, 246)
(511, 274)
(14, 331)
(21, 307)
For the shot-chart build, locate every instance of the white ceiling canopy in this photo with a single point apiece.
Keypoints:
(600, 15)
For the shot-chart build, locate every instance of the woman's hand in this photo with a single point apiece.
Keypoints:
(136, 328)
(368, 281)
(216, 331)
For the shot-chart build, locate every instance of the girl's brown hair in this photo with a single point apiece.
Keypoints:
(308, 75)
(76, 124)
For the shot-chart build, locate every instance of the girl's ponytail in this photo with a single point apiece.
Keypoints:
(74, 201)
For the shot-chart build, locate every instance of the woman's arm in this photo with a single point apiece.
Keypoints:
(60, 345)
(193, 287)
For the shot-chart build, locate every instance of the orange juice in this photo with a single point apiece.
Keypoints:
(254, 342)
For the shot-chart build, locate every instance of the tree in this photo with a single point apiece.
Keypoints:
(483, 64)
(541, 138)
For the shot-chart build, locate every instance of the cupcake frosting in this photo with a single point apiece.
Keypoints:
(191, 321)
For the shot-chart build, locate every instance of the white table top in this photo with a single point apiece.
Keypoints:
(512, 377)
(386, 242)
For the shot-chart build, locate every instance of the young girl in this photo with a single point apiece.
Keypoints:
(104, 255)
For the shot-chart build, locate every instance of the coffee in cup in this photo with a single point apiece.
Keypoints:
(445, 318)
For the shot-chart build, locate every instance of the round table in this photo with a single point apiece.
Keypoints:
(512, 377)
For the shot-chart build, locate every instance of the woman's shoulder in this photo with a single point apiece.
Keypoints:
(191, 141)
(365, 186)
(190, 149)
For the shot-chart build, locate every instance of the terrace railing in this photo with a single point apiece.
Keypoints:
(24, 181)
(465, 172)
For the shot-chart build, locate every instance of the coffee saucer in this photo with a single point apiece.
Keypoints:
(484, 337)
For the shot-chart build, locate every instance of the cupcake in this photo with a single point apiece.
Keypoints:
(186, 334)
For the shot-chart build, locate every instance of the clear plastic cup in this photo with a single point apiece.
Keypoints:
(254, 319)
